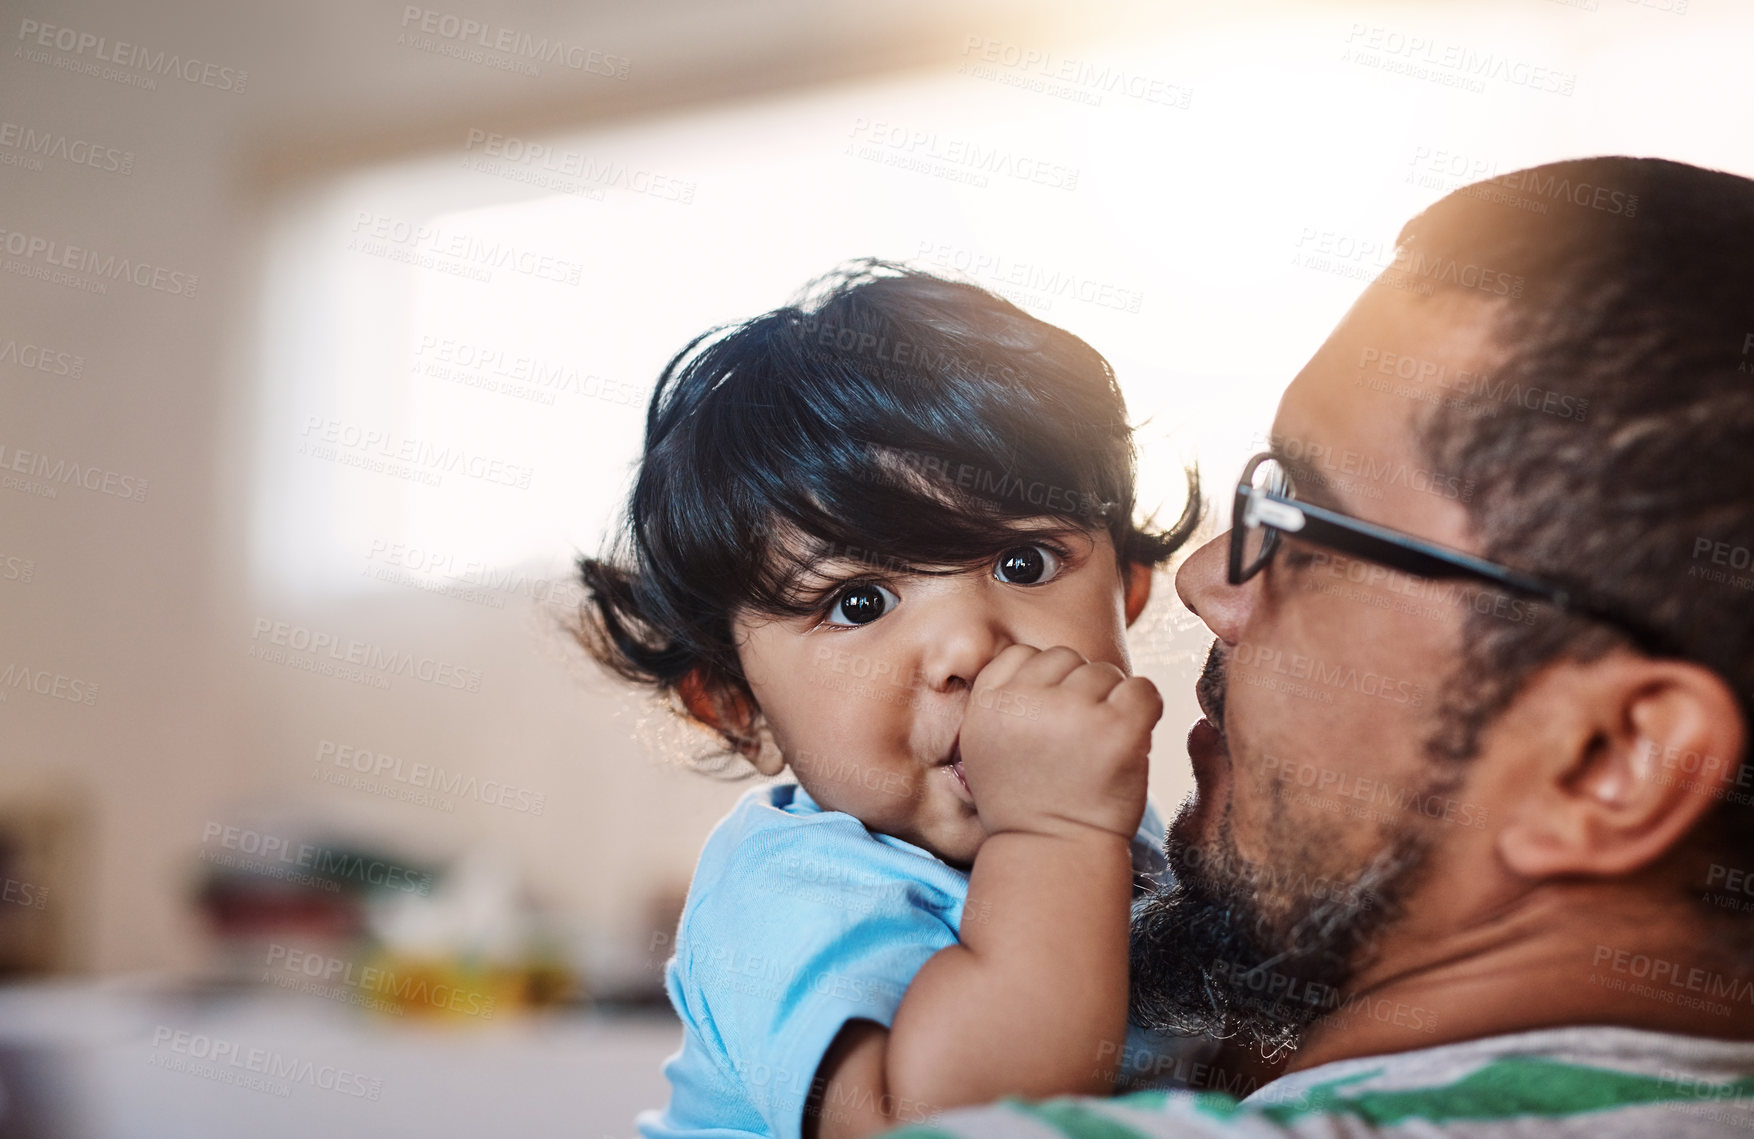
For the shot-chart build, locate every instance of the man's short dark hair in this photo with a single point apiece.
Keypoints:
(1613, 446)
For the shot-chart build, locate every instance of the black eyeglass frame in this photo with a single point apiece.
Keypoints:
(1280, 514)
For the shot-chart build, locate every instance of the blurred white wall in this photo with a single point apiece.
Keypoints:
(1224, 210)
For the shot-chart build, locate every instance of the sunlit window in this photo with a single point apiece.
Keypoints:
(460, 348)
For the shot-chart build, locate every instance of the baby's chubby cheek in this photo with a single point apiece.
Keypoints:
(869, 792)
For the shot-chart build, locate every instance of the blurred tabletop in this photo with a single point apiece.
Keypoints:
(131, 1060)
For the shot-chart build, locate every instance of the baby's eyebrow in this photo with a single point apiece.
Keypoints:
(827, 564)
(836, 554)
(810, 577)
(825, 569)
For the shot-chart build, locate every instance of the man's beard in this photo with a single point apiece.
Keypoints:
(1262, 949)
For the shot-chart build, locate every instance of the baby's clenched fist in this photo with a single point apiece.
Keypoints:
(1053, 743)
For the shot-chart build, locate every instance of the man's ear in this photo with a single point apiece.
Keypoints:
(1137, 578)
(728, 710)
(1641, 751)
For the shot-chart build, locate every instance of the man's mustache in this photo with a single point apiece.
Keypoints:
(1210, 687)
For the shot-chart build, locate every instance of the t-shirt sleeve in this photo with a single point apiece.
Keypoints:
(809, 926)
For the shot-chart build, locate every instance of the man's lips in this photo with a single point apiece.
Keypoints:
(1208, 750)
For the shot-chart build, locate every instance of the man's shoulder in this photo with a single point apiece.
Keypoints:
(1553, 1074)
(1587, 1080)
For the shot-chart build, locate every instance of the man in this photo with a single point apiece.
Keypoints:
(1471, 849)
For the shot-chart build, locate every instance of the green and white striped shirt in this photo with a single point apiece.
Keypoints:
(1565, 1082)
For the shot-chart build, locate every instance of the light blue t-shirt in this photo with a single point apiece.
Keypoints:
(797, 921)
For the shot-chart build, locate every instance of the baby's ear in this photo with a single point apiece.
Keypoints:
(1138, 581)
(726, 709)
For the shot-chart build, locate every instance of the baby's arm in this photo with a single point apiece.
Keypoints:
(1038, 985)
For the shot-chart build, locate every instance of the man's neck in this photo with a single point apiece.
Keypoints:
(1562, 956)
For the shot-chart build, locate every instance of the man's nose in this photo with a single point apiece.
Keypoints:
(971, 630)
(1204, 586)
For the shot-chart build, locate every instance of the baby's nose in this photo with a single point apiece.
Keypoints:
(970, 634)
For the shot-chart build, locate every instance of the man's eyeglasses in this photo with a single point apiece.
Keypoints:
(1267, 506)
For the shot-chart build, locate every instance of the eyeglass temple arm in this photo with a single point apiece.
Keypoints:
(1428, 559)
(1408, 554)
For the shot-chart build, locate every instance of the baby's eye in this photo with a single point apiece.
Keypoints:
(1027, 565)
(862, 604)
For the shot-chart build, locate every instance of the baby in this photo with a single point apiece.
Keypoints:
(883, 540)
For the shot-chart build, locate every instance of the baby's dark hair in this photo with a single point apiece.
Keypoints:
(887, 415)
